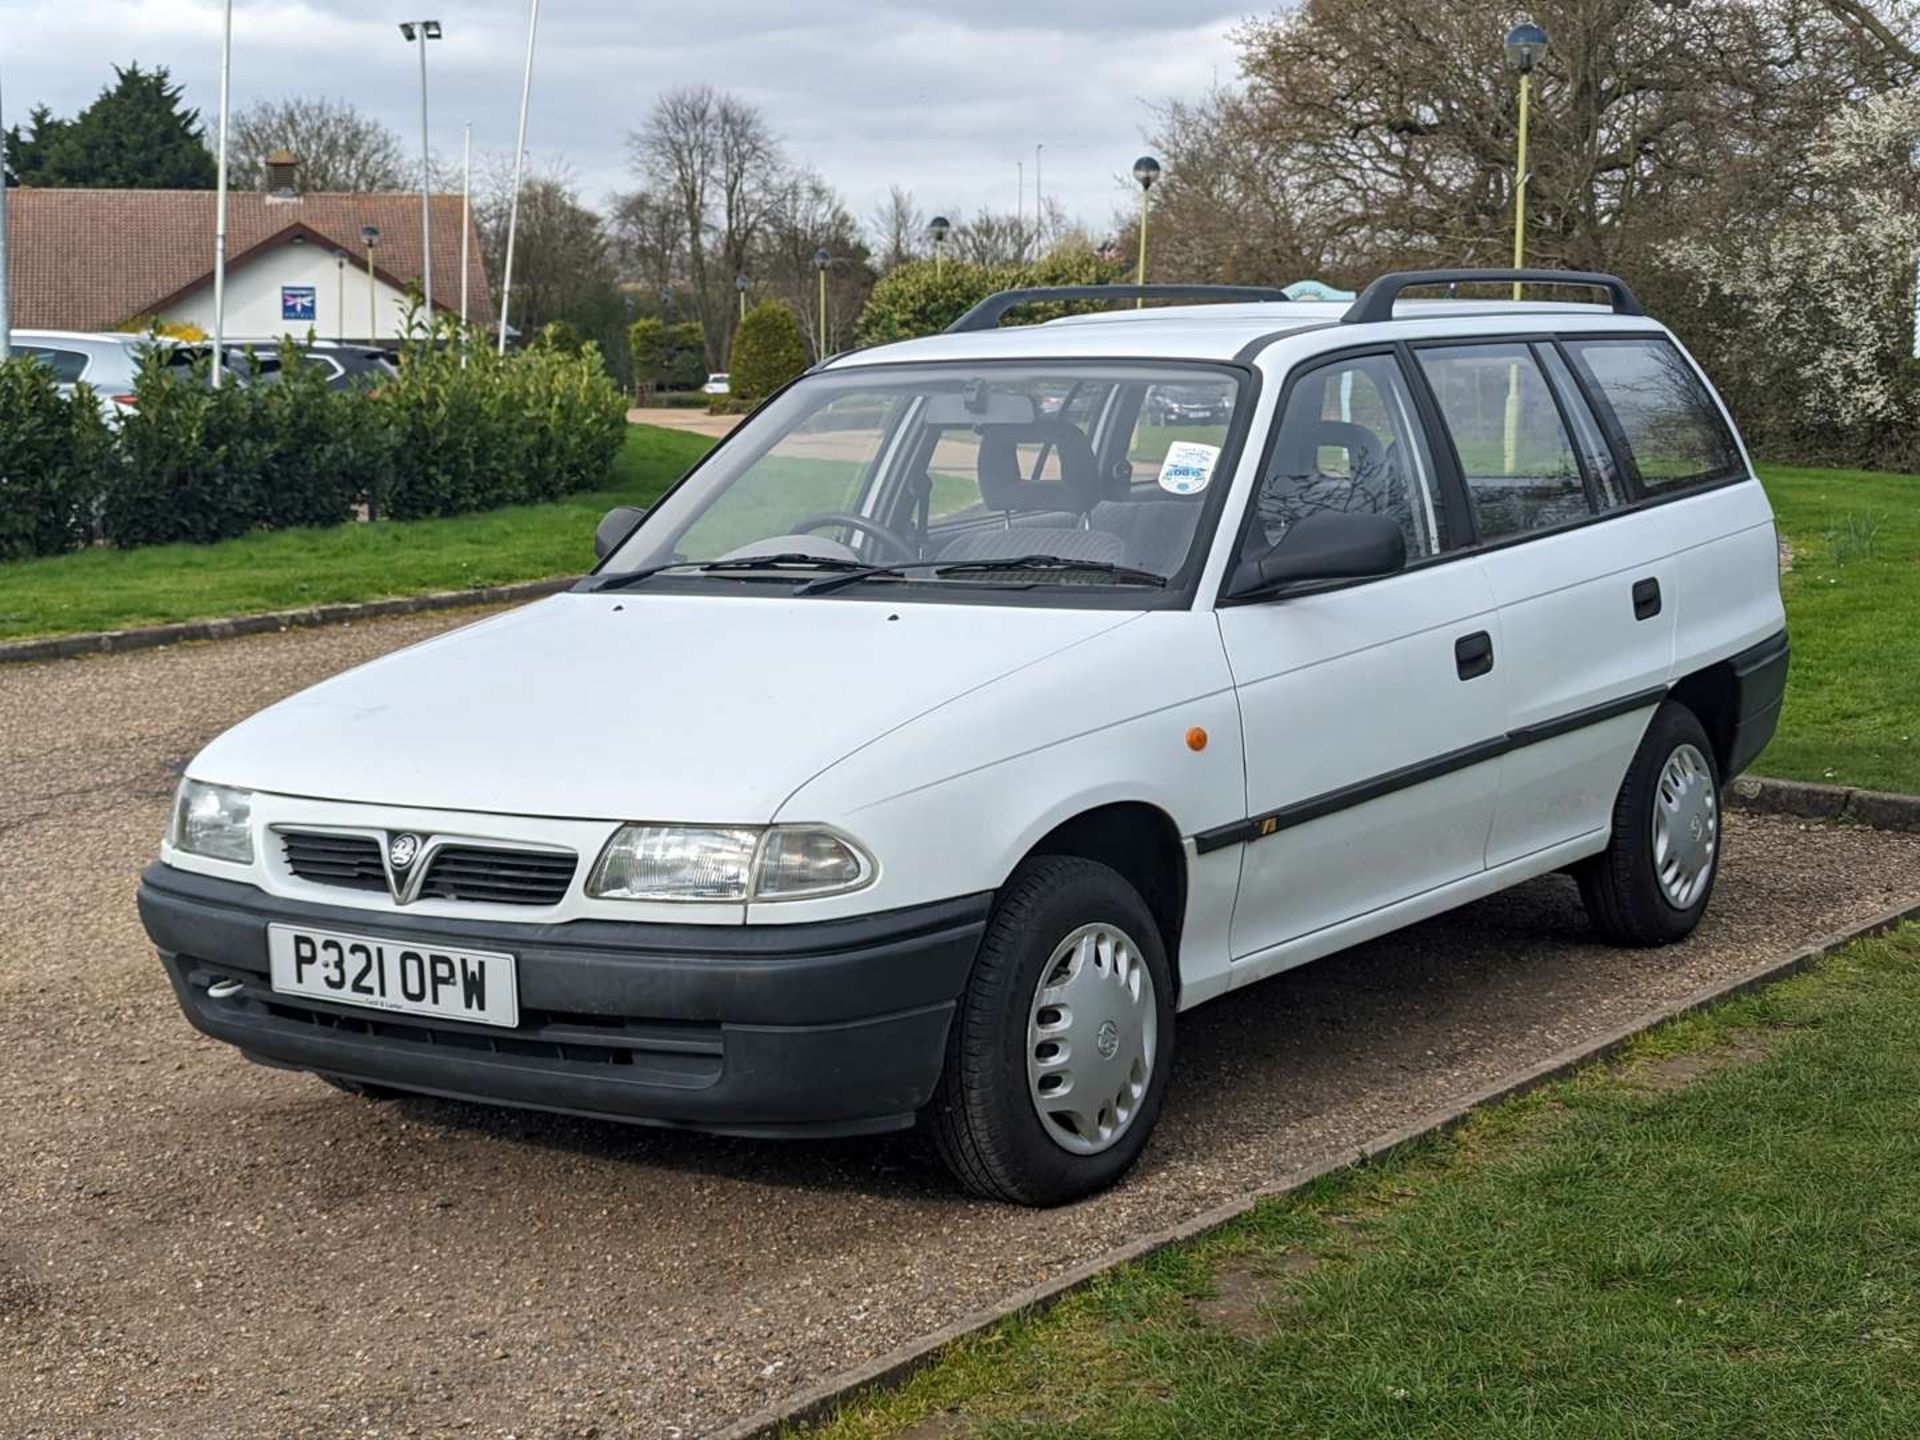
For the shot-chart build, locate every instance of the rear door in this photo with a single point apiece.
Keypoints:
(1583, 586)
(1372, 712)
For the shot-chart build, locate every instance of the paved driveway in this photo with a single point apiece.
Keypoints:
(194, 1247)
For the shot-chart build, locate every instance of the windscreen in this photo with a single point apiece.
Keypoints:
(1060, 474)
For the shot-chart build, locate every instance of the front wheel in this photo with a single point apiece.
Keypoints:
(1058, 1056)
(1651, 884)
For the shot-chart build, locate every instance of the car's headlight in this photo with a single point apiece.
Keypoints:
(213, 821)
(728, 863)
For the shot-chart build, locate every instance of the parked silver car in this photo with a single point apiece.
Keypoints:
(107, 362)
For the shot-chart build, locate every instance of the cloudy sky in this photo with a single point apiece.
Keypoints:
(946, 99)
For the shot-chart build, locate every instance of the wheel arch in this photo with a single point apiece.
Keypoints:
(1141, 842)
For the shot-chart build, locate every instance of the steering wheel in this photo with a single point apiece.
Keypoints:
(900, 550)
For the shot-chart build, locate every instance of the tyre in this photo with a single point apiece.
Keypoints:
(1651, 884)
(364, 1089)
(1058, 1055)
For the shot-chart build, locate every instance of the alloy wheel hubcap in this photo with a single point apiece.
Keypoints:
(1686, 826)
(1092, 1033)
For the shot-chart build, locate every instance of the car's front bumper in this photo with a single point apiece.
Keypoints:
(836, 1027)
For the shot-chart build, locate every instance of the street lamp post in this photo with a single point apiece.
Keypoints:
(370, 237)
(340, 296)
(1146, 170)
(6, 314)
(423, 31)
(742, 284)
(1526, 46)
(937, 229)
(822, 258)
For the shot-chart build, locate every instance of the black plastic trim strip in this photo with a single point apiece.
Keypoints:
(1258, 827)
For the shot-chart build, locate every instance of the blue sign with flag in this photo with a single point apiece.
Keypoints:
(297, 303)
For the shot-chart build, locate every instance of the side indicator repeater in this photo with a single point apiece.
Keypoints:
(1196, 739)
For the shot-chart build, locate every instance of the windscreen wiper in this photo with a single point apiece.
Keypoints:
(794, 560)
(827, 584)
(1126, 574)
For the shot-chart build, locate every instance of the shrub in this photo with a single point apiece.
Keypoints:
(922, 298)
(55, 457)
(667, 357)
(194, 459)
(315, 463)
(767, 352)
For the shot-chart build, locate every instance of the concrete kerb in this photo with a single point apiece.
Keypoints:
(888, 1371)
(107, 642)
(1876, 808)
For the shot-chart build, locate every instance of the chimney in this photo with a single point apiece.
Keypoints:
(283, 175)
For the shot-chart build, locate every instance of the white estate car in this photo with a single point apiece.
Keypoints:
(967, 715)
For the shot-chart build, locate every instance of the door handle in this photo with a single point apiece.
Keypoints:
(1646, 598)
(1473, 655)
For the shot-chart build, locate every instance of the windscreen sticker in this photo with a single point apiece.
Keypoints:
(1188, 467)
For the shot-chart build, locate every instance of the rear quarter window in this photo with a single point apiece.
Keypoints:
(1662, 417)
(67, 365)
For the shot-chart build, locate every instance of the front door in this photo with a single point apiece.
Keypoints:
(1373, 713)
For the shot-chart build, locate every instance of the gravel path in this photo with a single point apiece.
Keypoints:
(194, 1247)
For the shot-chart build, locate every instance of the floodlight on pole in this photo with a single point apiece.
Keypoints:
(1146, 170)
(519, 158)
(937, 230)
(420, 32)
(370, 237)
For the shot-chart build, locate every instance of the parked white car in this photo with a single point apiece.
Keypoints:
(967, 716)
(107, 363)
(720, 384)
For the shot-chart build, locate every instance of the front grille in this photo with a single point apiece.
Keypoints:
(350, 861)
(474, 873)
(499, 877)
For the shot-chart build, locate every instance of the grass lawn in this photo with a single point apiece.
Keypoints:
(1853, 607)
(111, 589)
(1715, 1237)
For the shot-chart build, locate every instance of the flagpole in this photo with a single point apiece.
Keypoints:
(6, 310)
(466, 224)
(519, 157)
(220, 207)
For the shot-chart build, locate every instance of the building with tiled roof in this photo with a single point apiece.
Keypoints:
(95, 259)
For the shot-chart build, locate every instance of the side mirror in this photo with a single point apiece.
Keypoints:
(1330, 546)
(618, 524)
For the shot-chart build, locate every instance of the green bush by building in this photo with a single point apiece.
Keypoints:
(767, 352)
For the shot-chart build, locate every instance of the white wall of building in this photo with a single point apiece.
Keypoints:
(340, 297)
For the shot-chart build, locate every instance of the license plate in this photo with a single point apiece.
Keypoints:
(400, 975)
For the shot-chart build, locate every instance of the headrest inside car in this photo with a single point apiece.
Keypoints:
(1004, 486)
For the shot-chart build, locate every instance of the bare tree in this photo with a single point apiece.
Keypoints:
(338, 148)
(898, 228)
(649, 242)
(807, 215)
(996, 239)
(712, 157)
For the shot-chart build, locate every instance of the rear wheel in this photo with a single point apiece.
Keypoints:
(1058, 1056)
(1650, 886)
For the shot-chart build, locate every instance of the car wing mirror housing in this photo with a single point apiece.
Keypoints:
(615, 527)
(1331, 546)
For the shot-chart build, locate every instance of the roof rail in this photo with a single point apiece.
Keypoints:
(988, 313)
(1376, 301)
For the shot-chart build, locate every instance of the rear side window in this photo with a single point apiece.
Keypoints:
(1515, 454)
(67, 365)
(1662, 415)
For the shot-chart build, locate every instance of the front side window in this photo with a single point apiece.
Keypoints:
(1350, 441)
(1673, 433)
(1057, 476)
(1515, 455)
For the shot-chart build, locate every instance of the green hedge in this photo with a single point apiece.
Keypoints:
(56, 460)
(768, 351)
(191, 463)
